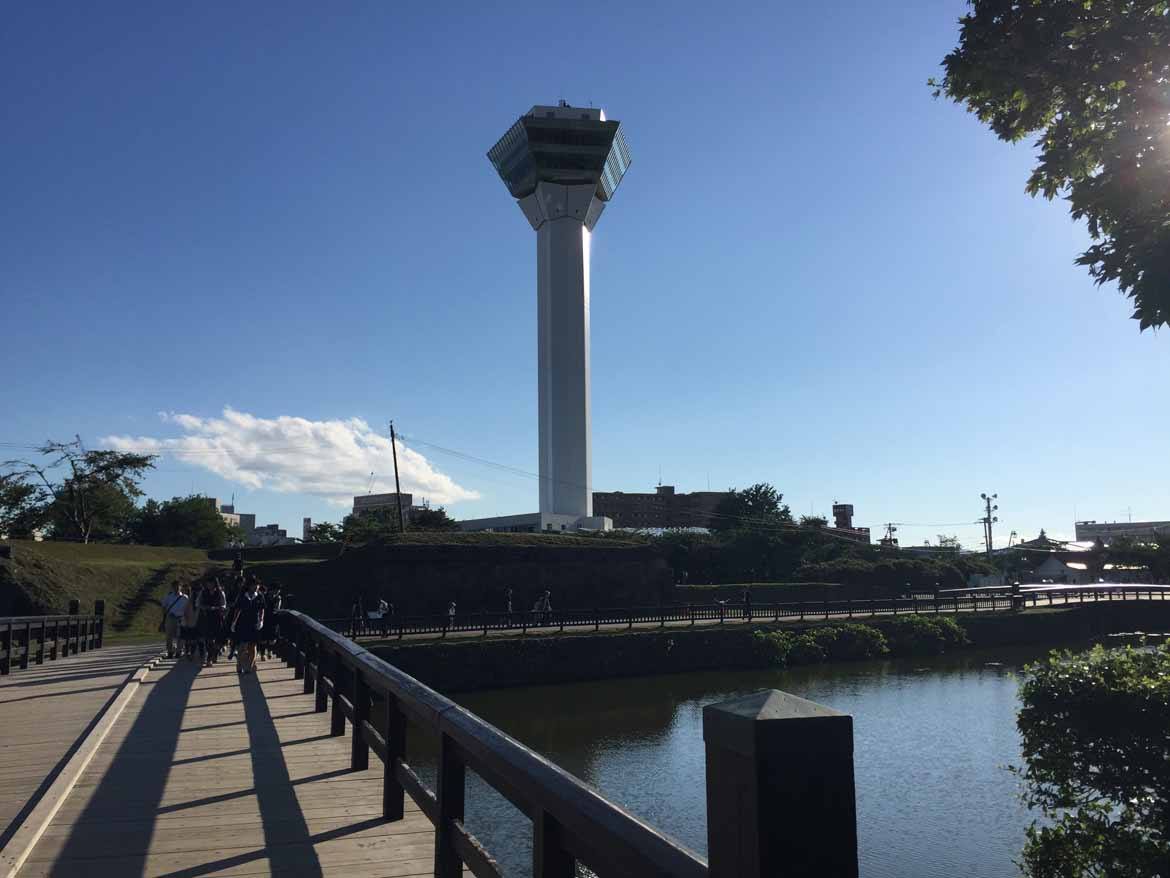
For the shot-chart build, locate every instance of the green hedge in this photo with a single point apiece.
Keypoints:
(912, 635)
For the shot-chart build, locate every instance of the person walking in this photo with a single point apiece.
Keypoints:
(449, 618)
(356, 617)
(212, 609)
(747, 604)
(189, 627)
(233, 595)
(546, 607)
(273, 601)
(508, 606)
(172, 618)
(247, 623)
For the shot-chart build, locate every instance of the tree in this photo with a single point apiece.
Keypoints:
(94, 498)
(325, 532)
(814, 521)
(1090, 77)
(754, 508)
(183, 521)
(369, 525)
(111, 520)
(426, 518)
(1096, 742)
(20, 511)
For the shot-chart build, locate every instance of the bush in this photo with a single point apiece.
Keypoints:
(841, 643)
(806, 650)
(1095, 745)
(923, 635)
(859, 642)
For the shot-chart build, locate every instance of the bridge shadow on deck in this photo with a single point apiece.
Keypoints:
(213, 797)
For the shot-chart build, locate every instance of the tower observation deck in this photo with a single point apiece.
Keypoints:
(563, 164)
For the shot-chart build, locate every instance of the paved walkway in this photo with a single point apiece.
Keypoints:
(45, 710)
(207, 773)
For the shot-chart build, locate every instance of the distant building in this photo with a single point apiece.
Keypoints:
(1106, 532)
(663, 509)
(269, 535)
(245, 521)
(843, 524)
(370, 502)
(306, 529)
(535, 522)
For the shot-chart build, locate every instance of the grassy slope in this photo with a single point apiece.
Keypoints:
(42, 577)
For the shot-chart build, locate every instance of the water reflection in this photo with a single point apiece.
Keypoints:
(932, 739)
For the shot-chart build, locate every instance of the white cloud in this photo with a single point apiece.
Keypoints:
(330, 459)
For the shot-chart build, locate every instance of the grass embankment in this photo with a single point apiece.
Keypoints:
(43, 577)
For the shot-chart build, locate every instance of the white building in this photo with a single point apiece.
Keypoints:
(1106, 532)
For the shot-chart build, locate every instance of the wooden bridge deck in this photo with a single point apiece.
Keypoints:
(207, 773)
(44, 712)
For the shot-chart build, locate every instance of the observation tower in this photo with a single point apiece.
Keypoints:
(562, 164)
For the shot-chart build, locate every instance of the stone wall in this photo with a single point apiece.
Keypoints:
(421, 579)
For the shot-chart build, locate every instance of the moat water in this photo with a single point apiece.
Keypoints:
(933, 739)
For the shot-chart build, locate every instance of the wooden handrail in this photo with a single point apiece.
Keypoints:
(54, 637)
(573, 821)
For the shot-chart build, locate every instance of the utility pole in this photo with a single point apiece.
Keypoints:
(989, 519)
(397, 486)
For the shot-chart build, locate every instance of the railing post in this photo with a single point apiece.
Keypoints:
(360, 750)
(323, 656)
(549, 859)
(393, 795)
(311, 669)
(99, 610)
(337, 718)
(42, 644)
(6, 662)
(27, 645)
(298, 655)
(449, 790)
(780, 791)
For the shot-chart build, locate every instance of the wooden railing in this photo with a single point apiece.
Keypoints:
(26, 640)
(571, 822)
(960, 601)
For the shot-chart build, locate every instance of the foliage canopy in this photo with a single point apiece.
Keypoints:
(1091, 78)
(1096, 745)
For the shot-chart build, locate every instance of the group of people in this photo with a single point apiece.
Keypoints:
(200, 622)
(382, 620)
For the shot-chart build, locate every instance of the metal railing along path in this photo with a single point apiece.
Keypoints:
(957, 601)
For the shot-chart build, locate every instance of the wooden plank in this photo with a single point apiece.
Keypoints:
(47, 709)
(207, 773)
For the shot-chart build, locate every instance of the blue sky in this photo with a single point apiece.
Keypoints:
(814, 274)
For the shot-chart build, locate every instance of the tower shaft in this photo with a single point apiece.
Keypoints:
(562, 302)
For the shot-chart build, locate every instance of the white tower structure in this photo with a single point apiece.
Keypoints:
(562, 164)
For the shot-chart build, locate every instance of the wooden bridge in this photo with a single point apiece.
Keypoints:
(118, 762)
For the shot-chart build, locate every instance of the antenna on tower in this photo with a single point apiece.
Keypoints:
(370, 488)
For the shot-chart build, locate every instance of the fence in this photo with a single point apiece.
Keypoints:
(753, 742)
(26, 640)
(953, 602)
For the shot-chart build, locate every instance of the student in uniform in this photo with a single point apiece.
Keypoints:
(247, 623)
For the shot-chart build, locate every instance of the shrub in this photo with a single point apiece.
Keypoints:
(839, 643)
(1095, 745)
(859, 642)
(923, 635)
(806, 649)
(772, 647)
